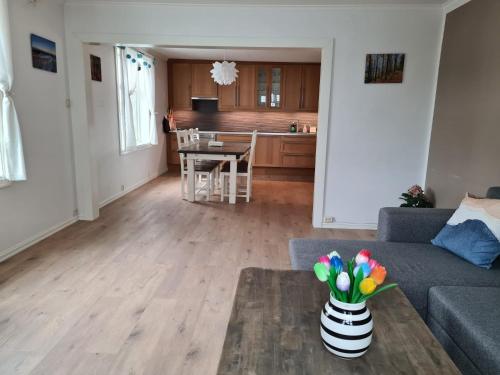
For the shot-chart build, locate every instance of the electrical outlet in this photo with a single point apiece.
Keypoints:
(123, 187)
(328, 219)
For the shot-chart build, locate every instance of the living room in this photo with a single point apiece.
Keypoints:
(148, 283)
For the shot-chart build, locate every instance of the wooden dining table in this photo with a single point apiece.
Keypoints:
(230, 151)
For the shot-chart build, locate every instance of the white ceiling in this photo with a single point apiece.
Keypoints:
(243, 54)
(271, 2)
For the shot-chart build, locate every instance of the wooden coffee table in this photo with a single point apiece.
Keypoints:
(274, 329)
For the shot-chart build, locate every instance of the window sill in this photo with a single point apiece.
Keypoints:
(138, 148)
(5, 183)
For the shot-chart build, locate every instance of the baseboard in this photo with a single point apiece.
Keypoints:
(345, 225)
(10, 252)
(131, 188)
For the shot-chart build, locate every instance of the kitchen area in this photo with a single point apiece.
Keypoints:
(276, 93)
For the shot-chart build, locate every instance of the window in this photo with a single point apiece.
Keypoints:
(135, 76)
(11, 149)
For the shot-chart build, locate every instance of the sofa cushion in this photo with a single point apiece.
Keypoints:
(456, 353)
(470, 317)
(472, 240)
(415, 267)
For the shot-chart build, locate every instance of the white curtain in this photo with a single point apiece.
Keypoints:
(11, 149)
(136, 99)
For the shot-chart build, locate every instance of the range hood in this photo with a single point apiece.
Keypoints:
(204, 104)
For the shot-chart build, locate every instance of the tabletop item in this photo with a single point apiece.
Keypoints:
(273, 329)
(346, 323)
(293, 127)
(215, 143)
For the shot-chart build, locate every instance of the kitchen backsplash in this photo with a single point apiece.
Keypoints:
(243, 121)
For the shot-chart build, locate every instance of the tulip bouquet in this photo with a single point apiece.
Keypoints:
(364, 275)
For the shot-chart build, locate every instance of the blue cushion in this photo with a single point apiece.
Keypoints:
(471, 240)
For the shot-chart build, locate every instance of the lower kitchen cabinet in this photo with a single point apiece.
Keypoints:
(285, 152)
(267, 151)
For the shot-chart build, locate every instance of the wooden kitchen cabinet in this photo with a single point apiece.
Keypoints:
(246, 87)
(240, 95)
(203, 85)
(301, 87)
(269, 86)
(267, 151)
(180, 77)
(227, 97)
(292, 87)
(298, 151)
(172, 154)
(235, 138)
(310, 87)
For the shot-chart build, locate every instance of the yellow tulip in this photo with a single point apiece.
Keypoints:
(367, 286)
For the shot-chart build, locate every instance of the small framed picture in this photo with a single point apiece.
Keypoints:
(43, 54)
(95, 68)
(384, 68)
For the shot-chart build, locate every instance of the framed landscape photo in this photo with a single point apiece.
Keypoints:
(95, 68)
(384, 68)
(43, 54)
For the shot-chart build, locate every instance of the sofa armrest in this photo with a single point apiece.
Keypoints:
(418, 225)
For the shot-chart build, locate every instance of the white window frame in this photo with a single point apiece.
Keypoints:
(136, 105)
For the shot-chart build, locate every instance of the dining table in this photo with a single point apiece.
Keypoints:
(232, 152)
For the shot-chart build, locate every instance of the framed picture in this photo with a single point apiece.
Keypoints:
(43, 54)
(95, 68)
(384, 68)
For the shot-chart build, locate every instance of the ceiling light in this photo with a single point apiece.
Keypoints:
(224, 73)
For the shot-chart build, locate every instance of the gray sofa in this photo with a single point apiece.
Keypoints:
(447, 291)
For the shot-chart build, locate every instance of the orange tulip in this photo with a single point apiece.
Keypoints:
(378, 274)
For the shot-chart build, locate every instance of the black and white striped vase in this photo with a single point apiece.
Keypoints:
(346, 328)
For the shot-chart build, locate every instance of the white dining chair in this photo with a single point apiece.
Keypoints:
(194, 135)
(244, 170)
(204, 170)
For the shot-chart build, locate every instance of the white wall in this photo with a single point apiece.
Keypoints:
(379, 134)
(46, 200)
(115, 172)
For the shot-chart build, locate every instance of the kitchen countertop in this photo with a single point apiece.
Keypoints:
(299, 134)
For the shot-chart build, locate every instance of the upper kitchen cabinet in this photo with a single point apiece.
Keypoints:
(180, 84)
(246, 86)
(293, 87)
(203, 85)
(310, 87)
(301, 87)
(290, 87)
(269, 86)
(239, 95)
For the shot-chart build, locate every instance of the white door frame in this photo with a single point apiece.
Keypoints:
(85, 171)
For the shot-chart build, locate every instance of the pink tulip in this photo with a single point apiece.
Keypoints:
(325, 260)
(363, 256)
(372, 263)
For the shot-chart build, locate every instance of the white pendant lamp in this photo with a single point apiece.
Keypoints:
(224, 73)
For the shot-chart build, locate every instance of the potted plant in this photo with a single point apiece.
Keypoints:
(415, 197)
(346, 323)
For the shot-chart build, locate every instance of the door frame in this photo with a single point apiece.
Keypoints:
(86, 171)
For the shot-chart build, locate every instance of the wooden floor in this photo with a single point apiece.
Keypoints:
(148, 287)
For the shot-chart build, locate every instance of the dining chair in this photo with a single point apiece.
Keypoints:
(194, 135)
(204, 170)
(244, 170)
